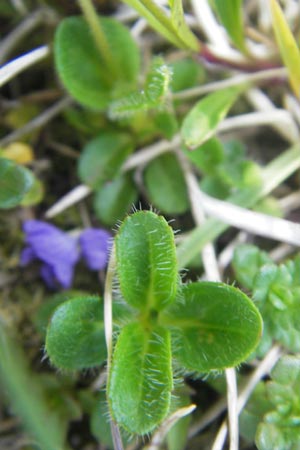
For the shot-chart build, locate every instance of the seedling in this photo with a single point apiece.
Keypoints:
(199, 327)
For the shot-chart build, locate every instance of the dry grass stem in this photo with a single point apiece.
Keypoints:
(18, 65)
(254, 222)
(38, 122)
(234, 80)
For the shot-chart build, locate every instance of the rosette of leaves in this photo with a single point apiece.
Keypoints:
(225, 168)
(276, 292)
(271, 417)
(204, 326)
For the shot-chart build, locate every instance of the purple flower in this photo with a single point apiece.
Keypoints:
(95, 247)
(60, 252)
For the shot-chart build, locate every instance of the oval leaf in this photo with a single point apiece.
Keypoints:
(166, 185)
(140, 382)
(146, 261)
(75, 334)
(81, 66)
(102, 158)
(202, 121)
(15, 182)
(216, 326)
(288, 47)
(113, 200)
(230, 13)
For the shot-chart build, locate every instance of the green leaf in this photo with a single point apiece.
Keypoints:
(26, 395)
(163, 24)
(15, 182)
(202, 121)
(166, 186)
(34, 195)
(81, 67)
(247, 260)
(214, 326)
(140, 382)
(179, 24)
(208, 156)
(152, 96)
(276, 291)
(287, 370)
(269, 437)
(146, 261)
(114, 199)
(187, 73)
(231, 15)
(280, 426)
(47, 308)
(75, 334)
(102, 158)
(158, 81)
(288, 47)
(166, 123)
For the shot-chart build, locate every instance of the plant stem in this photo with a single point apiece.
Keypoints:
(261, 75)
(98, 35)
(108, 327)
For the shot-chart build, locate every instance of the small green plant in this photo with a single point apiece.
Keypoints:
(275, 290)
(145, 99)
(271, 418)
(200, 326)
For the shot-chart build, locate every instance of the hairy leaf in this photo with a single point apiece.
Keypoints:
(215, 326)
(75, 334)
(146, 261)
(140, 382)
(158, 81)
(152, 96)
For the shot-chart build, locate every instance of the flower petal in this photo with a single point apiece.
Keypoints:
(95, 245)
(58, 251)
(64, 274)
(27, 256)
(48, 276)
(49, 243)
